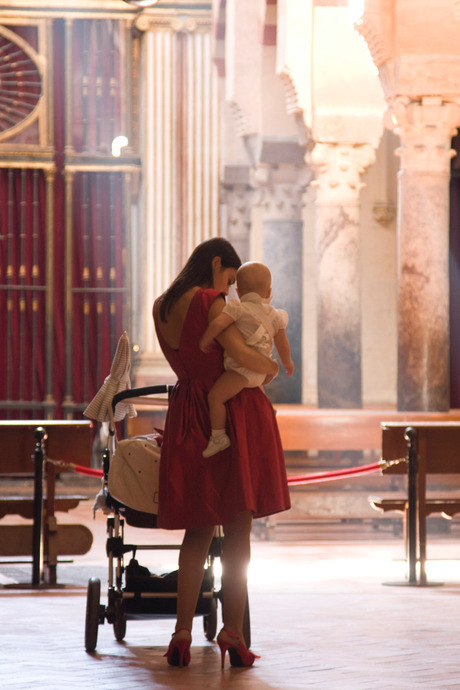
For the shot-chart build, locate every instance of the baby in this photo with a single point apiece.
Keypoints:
(261, 325)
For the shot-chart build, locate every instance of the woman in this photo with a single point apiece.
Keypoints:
(247, 480)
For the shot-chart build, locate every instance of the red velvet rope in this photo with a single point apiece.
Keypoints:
(88, 470)
(335, 474)
(292, 481)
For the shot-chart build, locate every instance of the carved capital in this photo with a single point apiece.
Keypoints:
(426, 129)
(282, 201)
(237, 200)
(280, 191)
(50, 175)
(338, 169)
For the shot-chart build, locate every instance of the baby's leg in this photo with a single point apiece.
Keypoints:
(229, 384)
(226, 386)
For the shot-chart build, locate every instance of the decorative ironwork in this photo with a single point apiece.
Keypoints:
(20, 83)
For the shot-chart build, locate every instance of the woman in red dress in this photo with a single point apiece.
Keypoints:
(246, 480)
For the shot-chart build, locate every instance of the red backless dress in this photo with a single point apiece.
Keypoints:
(250, 475)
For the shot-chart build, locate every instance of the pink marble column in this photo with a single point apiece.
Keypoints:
(425, 129)
(338, 277)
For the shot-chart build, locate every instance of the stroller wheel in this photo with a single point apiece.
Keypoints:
(119, 623)
(210, 621)
(92, 613)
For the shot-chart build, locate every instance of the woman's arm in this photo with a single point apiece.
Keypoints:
(233, 343)
(216, 326)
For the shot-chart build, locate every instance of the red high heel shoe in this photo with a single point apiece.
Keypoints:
(238, 653)
(179, 650)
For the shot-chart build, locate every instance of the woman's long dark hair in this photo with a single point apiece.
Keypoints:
(198, 270)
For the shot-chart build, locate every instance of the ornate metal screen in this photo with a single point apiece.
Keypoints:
(65, 94)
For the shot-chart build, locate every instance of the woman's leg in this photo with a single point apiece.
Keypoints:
(236, 555)
(192, 559)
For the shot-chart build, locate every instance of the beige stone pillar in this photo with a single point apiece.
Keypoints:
(426, 128)
(338, 184)
(236, 197)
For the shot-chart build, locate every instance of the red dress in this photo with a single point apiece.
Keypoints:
(250, 475)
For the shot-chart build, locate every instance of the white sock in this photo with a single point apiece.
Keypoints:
(217, 433)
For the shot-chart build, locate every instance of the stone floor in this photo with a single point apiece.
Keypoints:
(321, 618)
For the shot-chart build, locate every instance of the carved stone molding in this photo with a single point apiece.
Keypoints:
(172, 21)
(457, 9)
(426, 129)
(239, 118)
(368, 26)
(416, 75)
(338, 169)
(292, 95)
(384, 213)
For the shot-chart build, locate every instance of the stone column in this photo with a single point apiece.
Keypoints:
(236, 198)
(426, 128)
(281, 199)
(338, 184)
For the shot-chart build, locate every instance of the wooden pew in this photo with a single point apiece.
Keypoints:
(69, 441)
(303, 428)
(436, 451)
(306, 429)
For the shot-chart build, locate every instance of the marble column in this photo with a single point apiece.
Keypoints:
(338, 278)
(282, 252)
(180, 165)
(426, 128)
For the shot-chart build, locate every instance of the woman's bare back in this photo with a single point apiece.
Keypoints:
(171, 330)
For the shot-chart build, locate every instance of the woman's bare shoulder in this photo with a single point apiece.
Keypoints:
(216, 307)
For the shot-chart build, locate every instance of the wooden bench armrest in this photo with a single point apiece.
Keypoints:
(444, 506)
(24, 506)
(388, 504)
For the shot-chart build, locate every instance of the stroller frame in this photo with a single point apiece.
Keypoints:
(149, 597)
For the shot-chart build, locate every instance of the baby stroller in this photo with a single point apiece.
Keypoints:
(133, 591)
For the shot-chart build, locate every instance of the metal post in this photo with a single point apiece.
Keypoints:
(37, 533)
(410, 436)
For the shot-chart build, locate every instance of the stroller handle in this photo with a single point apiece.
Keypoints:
(139, 392)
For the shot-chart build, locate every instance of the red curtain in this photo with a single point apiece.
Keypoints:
(97, 278)
(23, 284)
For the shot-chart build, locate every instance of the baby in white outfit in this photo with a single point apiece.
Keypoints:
(261, 325)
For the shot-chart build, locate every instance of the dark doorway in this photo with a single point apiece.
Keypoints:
(454, 276)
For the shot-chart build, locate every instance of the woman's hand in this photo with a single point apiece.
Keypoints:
(233, 343)
(269, 378)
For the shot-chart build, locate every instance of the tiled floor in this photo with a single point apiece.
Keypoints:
(321, 618)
